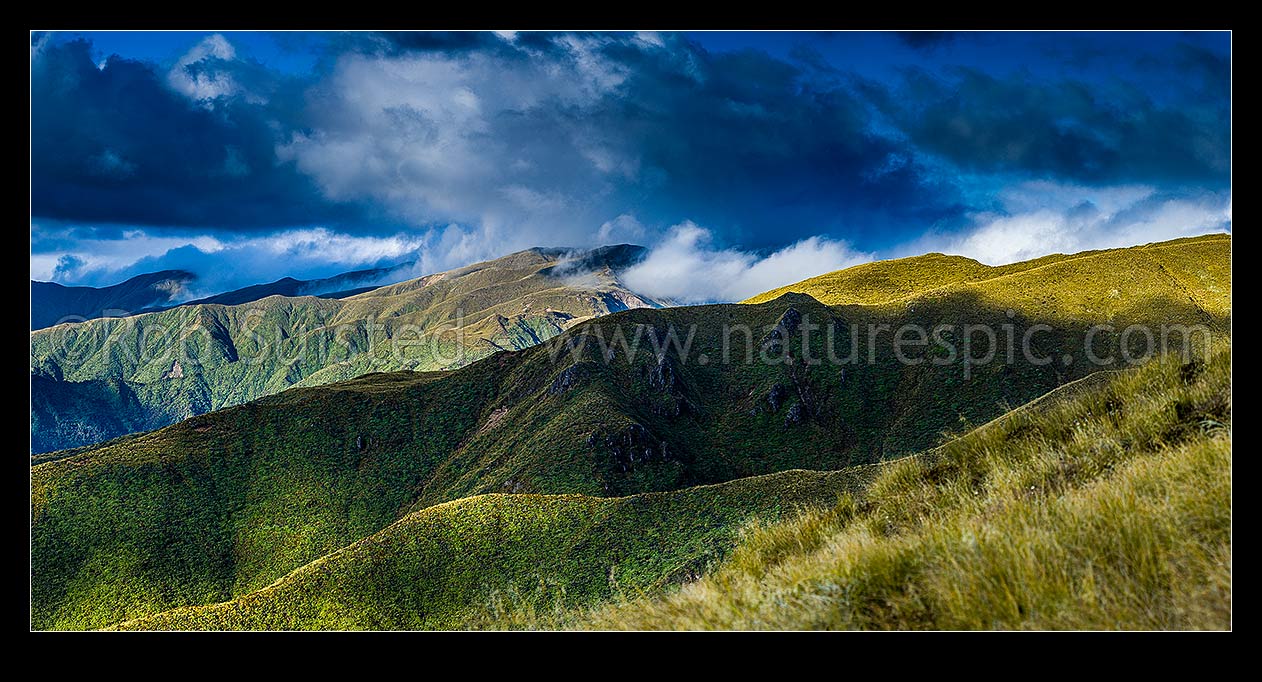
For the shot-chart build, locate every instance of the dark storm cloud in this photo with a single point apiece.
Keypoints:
(926, 40)
(550, 135)
(398, 42)
(568, 131)
(1096, 133)
(120, 144)
(747, 140)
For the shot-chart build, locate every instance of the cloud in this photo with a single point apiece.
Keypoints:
(99, 255)
(1122, 217)
(68, 266)
(124, 144)
(191, 77)
(534, 140)
(228, 263)
(1070, 130)
(466, 146)
(926, 40)
(686, 267)
(625, 228)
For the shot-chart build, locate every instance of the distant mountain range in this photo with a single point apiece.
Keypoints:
(337, 286)
(577, 470)
(109, 377)
(53, 303)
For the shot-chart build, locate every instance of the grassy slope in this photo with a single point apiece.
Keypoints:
(457, 564)
(1104, 504)
(1108, 511)
(891, 280)
(226, 503)
(228, 355)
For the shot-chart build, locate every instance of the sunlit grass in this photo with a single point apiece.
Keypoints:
(1109, 511)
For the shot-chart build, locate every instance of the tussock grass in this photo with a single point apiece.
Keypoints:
(503, 561)
(1108, 511)
(1199, 265)
(224, 504)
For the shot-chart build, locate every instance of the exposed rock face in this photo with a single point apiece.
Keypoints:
(790, 320)
(631, 446)
(177, 372)
(667, 382)
(794, 415)
(567, 379)
(775, 397)
(662, 376)
(784, 328)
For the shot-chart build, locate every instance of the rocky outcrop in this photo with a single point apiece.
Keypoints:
(775, 397)
(784, 328)
(794, 415)
(632, 446)
(670, 397)
(566, 380)
(177, 372)
(796, 394)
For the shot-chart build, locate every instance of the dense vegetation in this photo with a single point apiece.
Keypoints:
(165, 366)
(1105, 504)
(1109, 511)
(461, 563)
(224, 504)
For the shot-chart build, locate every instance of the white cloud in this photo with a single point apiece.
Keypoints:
(199, 84)
(624, 228)
(103, 258)
(651, 38)
(43, 265)
(684, 267)
(332, 247)
(474, 138)
(1077, 219)
(227, 264)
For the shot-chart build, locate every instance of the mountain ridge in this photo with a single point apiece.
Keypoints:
(52, 303)
(838, 287)
(336, 286)
(228, 502)
(379, 582)
(192, 359)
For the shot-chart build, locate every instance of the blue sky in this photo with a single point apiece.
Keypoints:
(744, 160)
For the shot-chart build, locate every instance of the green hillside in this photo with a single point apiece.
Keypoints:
(1110, 511)
(169, 365)
(1195, 262)
(1104, 504)
(226, 503)
(454, 565)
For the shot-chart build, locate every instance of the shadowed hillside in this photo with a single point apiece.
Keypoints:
(1127, 527)
(449, 565)
(226, 503)
(1111, 510)
(52, 303)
